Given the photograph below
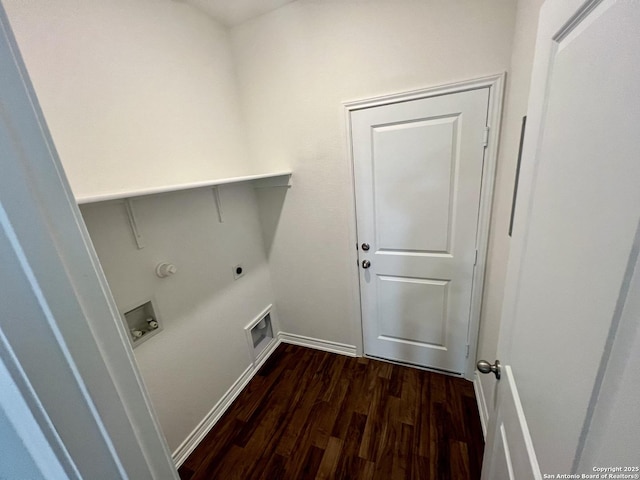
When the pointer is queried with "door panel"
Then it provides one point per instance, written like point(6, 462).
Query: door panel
point(418, 171)
point(421, 303)
point(425, 150)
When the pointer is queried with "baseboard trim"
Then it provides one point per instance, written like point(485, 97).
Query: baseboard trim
point(195, 437)
point(482, 403)
point(325, 345)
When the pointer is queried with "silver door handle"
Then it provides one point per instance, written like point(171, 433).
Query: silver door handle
point(486, 367)
point(366, 263)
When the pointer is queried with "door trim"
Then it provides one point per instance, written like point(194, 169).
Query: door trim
point(495, 84)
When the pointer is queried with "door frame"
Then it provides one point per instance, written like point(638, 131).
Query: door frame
point(495, 84)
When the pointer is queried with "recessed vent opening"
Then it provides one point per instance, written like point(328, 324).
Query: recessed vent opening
point(259, 335)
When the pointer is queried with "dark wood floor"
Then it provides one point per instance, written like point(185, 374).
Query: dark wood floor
point(310, 414)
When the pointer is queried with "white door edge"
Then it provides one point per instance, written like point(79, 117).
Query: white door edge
point(481, 401)
point(531, 452)
point(106, 382)
point(509, 404)
point(495, 84)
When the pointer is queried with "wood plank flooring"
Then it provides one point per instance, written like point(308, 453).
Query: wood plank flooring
point(309, 414)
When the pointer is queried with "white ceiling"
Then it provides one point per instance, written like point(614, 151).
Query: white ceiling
point(234, 12)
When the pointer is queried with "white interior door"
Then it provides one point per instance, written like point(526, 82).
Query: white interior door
point(418, 172)
point(576, 238)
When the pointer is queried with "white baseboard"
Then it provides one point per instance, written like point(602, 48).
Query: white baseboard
point(191, 442)
point(195, 437)
point(482, 404)
point(325, 345)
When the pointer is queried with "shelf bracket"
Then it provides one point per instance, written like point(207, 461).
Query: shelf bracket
point(216, 197)
point(133, 222)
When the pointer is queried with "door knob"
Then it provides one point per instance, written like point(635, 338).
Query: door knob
point(366, 263)
point(486, 367)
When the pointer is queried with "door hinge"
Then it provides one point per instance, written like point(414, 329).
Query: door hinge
point(475, 260)
point(467, 351)
point(485, 139)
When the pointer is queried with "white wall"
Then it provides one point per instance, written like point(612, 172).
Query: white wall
point(202, 350)
point(517, 95)
point(136, 93)
point(295, 67)
point(140, 94)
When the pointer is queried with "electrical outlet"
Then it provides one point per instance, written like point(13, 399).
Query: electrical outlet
point(238, 271)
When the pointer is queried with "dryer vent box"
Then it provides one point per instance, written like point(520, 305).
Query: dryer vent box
point(259, 335)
